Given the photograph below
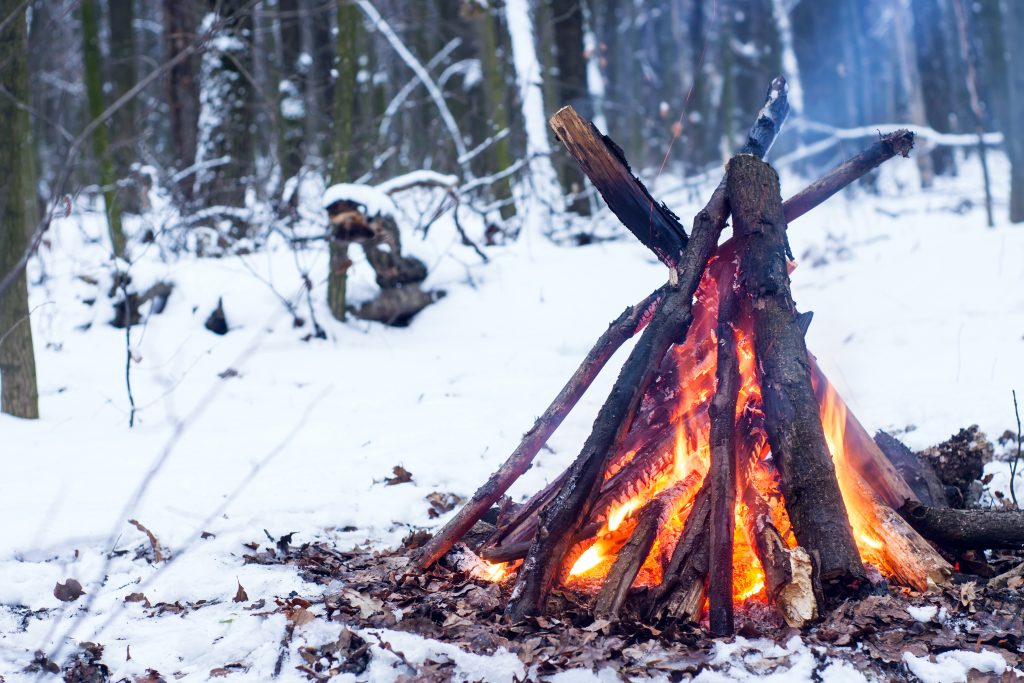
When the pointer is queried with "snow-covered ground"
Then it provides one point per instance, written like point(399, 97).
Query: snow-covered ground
point(919, 322)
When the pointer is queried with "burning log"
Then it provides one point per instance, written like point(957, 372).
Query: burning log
point(562, 517)
point(808, 477)
point(722, 474)
point(788, 572)
point(631, 557)
point(967, 529)
point(682, 590)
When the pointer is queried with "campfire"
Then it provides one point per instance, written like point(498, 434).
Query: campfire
point(724, 469)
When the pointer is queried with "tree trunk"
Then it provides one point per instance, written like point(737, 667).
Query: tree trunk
point(18, 393)
point(101, 136)
point(182, 88)
point(292, 88)
point(120, 19)
point(1014, 30)
point(494, 87)
point(807, 474)
point(346, 63)
point(567, 25)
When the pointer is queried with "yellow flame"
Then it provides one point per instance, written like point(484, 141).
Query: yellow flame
point(493, 572)
point(588, 560)
point(619, 514)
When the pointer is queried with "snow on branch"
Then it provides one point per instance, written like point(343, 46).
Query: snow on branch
point(395, 104)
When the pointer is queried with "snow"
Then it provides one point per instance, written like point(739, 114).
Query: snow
point(374, 201)
point(953, 666)
point(917, 324)
point(924, 613)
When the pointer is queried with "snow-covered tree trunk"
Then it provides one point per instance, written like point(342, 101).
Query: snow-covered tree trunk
point(226, 115)
point(539, 197)
point(182, 88)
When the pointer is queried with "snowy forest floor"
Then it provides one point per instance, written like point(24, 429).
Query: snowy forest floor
point(265, 433)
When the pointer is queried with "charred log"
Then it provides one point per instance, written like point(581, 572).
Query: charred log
point(683, 587)
point(916, 471)
point(967, 529)
point(808, 478)
point(722, 472)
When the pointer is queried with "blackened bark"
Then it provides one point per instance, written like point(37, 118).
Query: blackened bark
point(722, 472)
point(917, 472)
point(683, 586)
point(807, 474)
point(967, 529)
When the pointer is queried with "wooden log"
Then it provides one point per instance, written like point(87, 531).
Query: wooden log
point(621, 329)
point(862, 452)
point(898, 142)
point(722, 472)
point(967, 529)
point(807, 476)
point(605, 165)
point(631, 557)
point(683, 586)
point(788, 572)
point(917, 472)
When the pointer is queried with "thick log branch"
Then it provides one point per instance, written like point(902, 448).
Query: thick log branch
point(722, 472)
point(807, 475)
point(604, 163)
point(967, 529)
point(898, 142)
point(621, 329)
point(917, 472)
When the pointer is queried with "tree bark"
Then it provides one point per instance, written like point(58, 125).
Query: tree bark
point(120, 20)
point(18, 393)
point(101, 136)
point(967, 529)
point(808, 478)
point(683, 586)
point(292, 89)
point(1014, 29)
point(567, 32)
point(182, 88)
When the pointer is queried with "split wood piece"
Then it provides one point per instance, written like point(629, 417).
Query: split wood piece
point(888, 540)
point(605, 165)
point(863, 453)
point(807, 475)
point(619, 331)
point(631, 557)
point(722, 472)
point(967, 529)
point(788, 572)
point(683, 584)
point(917, 472)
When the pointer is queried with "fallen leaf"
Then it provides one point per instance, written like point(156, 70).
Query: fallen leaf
point(158, 555)
point(441, 503)
point(240, 594)
point(69, 591)
point(138, 597)
point(402, 476)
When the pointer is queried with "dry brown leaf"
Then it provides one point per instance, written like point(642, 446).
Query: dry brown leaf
point(69, 591)
point(402, 476)
point(158, 555)
point(240, 594)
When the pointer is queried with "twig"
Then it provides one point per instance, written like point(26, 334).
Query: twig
point(1016, 459)
point(123, 278)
